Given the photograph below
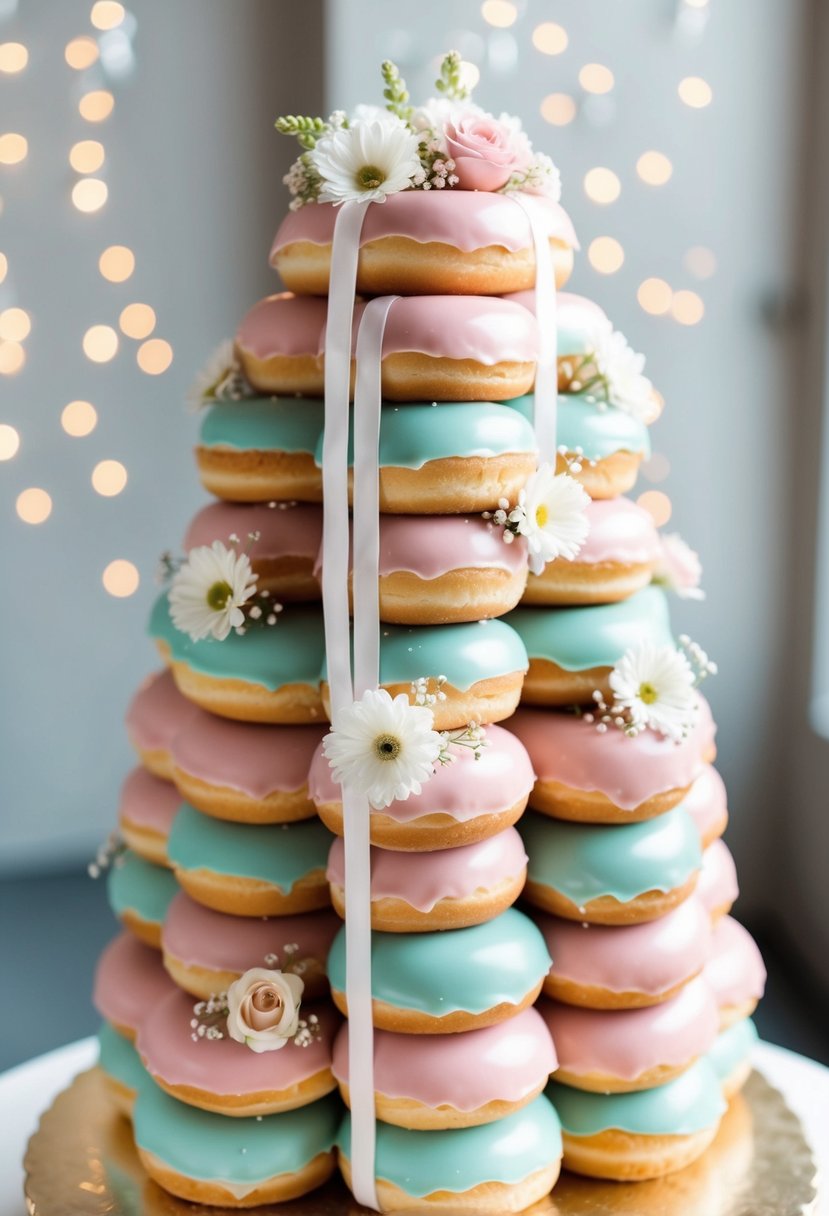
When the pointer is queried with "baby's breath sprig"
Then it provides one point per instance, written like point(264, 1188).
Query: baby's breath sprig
point(471, 736)
point(395, 92)
point(450, 81)
point(428, 690)
point(109, 853)
point(702, 666)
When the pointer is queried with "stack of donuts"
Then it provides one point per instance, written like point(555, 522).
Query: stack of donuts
point(621, 974)
point(652, 984)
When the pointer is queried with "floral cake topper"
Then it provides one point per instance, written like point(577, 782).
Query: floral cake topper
point(446, 143)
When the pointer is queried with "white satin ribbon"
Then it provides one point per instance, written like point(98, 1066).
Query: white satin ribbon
point(335, 549)
point(546, 376)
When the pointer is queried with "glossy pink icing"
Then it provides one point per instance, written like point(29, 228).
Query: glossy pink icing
point(465, 219)
point(223, 1066)
point(575, 315)
point(735, 969)
point(651, 958)
point(717, 884)
point(464, 789)
point(432, 545)
point(130, 980)
point(421, 879)
point(620, 531)
point(286, 529)
point(625, 1043)
point(565, 748)
point(200, 937)
point(485, 329)
point(156, 712)
point(706, 802)
point(465, 1071)
point(148, 801)
point(246, 756)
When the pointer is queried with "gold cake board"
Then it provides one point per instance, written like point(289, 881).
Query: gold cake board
point(82, 1162)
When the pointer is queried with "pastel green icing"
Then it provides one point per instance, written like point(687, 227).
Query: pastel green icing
point(414, 433)
point(279, 853)
point(594, 636)
point(690, 1103)
point(598, 430)
point(463, 653)
point(508, 1150)
point(136, 885)
point(438, 973)
point(264, 424)
point(241, 1151)
point(289, 652)
point(732, 1047)
point(587, 861)
point(119, 1059)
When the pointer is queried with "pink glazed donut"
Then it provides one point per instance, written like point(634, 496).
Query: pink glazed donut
point(621, 1050)
point(435, 348)
point(448, 241)
point(245, 771)
point(146, 812)
point(465, 801)
point(628, 966)
point(283, 556)
point(590, 777)
point(436, 1081)
point(616, 560)
point(226, 1077)
point(155, 715)
point(707, 804)
point(205, 951)
point(735, 971)
point(444, 889)
point(441, 569)
point(717, 887)
point(130, 980)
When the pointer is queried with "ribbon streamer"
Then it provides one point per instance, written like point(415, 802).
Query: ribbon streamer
point(546, 376)
point(335, 550)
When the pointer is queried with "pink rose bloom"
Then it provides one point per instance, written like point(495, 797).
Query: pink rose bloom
point(486, 151)
point(679, 567)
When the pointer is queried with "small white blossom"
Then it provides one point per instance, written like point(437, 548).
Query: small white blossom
point(382, 747)
point(654, 687)
point(620, 369)
point(220, 379)
point(367, 161)
point(679, 568)
point(208, 591)
point(552, 515)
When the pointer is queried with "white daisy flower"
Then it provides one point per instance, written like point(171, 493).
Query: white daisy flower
point(366, 162)
point(620, 367)
point(552, 515)
point(654, 685)
point(383, 748)
point(679, 568)
point(208, 591)
point(220, 379)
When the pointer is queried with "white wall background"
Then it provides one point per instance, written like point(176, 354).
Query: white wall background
point(727, 424)
point(193, 168)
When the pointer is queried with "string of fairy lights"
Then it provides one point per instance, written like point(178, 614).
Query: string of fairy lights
point(602, 184)
point(99, 57)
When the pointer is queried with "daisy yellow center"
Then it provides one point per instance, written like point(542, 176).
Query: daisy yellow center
point(218, 596)
point(648, 693)
point(370, 177)
point(542, 514)
point(387, 747)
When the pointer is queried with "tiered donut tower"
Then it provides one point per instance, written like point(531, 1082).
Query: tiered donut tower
point(230, 867)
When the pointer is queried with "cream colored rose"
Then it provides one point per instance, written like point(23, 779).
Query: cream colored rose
point(263, 1008)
